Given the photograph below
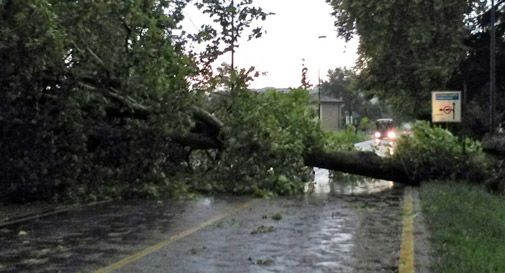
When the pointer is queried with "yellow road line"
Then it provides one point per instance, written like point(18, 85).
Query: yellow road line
point(55, 211)
point(406, 264)
point(136, 256)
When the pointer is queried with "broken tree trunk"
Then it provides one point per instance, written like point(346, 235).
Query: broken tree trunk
point(360, 163)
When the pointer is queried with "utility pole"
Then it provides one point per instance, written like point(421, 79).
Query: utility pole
point(319, 92)
point(492, 70)
point(233, 36)
point(319, 82)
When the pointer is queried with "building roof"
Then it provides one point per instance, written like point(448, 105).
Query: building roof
point(325, 99)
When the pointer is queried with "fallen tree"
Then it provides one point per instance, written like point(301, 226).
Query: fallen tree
point(435, 154)
point(207, 134)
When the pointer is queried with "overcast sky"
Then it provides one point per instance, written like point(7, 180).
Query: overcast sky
point(292, 35)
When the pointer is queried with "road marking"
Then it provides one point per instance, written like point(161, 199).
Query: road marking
point(49, 212)
point(136, 256)
point(406, 264)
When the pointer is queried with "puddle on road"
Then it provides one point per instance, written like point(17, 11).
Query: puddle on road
point(345, 184)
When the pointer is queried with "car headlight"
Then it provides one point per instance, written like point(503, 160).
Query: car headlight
point(377, 134)
point(391, 135)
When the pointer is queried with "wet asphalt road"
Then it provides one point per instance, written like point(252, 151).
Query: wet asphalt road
point(339, 228)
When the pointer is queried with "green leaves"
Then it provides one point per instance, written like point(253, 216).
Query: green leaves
point(407, 48)
point(74, 77)
point(433, 151)
point(266, 136)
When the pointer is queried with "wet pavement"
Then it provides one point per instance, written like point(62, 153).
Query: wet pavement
point(85, 239)
point(320, 233)
point(343, 226)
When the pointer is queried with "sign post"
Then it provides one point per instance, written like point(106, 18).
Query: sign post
point(445, 106)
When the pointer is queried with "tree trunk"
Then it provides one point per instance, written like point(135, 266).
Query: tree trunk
point(359, 163)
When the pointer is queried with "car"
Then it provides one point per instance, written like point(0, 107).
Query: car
point(385, 129)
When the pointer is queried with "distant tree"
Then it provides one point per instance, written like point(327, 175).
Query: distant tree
point(342, 83)
point(338, 83)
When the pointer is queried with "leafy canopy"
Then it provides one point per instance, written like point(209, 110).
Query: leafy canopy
point(407, 48)
point(75, 79)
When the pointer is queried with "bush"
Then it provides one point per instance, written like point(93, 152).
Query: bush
point(342, 140)
point(432, 152)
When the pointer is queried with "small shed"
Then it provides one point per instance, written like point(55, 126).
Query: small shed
point(331, 113)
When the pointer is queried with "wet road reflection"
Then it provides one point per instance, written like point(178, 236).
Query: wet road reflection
point(345, 184)
point(346, 225)
point(328, 231)
point(80, 240)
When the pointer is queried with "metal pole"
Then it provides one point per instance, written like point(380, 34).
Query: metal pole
point(319, 92)
point(233, 36)
point(319, 80)
point(492, 70)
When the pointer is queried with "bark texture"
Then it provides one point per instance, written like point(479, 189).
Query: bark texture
point(359, 163)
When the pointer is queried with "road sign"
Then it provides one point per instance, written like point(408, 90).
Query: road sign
point(446, 106)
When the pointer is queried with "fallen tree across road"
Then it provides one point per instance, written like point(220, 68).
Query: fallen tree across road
point(415, 165)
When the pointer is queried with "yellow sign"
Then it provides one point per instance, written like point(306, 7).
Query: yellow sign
point(446, 106)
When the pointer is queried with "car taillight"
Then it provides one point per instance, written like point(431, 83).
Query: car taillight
point(377, 134)
point(391, 134)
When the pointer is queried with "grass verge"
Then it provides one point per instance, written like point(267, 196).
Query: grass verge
point(467, 226)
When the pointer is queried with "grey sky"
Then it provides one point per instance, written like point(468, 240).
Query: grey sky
point(292, 35)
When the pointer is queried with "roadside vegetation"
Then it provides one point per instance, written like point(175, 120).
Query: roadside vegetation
point(465, 219)
point(467, 226)
point(344, 139)
point(430, 152)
